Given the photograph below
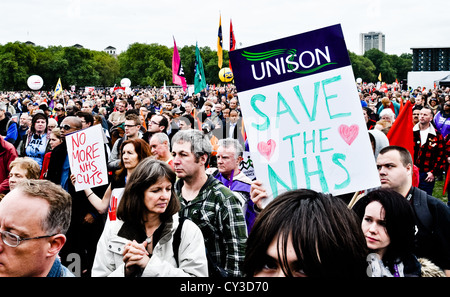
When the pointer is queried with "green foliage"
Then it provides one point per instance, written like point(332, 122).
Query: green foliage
point(147, 65)
point(16, 61)
point(374, 62)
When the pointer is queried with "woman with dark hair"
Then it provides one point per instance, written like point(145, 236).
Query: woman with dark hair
point(35, 143)
point(141, 241)
point(306, 233)
point(388, 224)
point(132, 151)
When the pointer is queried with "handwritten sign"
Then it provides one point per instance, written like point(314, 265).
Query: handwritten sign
point(303, 115)
point(87, 157)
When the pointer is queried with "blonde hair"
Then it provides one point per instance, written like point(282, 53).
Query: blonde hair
point(31, 166)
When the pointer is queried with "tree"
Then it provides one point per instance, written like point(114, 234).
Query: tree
point(108, 69)
point(81, 67)
point(17, 60)
point(362, 67)
point(374, 62)
point(146, 64)
point(51, 65)
point(382, 64)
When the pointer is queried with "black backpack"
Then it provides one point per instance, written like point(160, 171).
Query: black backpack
point(213, 269)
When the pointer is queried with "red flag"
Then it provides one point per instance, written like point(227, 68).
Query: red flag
point(401, 132)
point(447, 173)
point(446, 183)
point(232, 41)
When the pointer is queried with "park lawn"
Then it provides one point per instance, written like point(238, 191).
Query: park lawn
point(437, 191)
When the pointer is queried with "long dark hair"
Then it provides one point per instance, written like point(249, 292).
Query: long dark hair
point(325, 234)
point(147, 173)
point(399, 220)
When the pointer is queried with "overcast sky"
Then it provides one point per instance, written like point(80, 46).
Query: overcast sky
point(97, 24)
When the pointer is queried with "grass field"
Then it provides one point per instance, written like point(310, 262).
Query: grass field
point(437, 191)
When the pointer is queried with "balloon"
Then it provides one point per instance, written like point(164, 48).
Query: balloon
point(225, 74)
point(35, 82)
point(125, 82)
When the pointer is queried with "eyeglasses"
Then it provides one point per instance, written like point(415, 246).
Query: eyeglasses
point(129, 126)
point(153, 122)
point(66, 127)
point(14, 240)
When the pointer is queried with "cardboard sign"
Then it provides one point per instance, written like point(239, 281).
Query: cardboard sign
point(303, 116)
point(87, 158)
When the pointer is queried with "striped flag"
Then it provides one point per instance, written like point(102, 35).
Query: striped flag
point(219, 43)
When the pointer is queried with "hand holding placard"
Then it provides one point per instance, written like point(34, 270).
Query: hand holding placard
point(87, 157)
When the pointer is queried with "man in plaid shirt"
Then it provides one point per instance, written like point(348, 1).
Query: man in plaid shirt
point(208, 203)
point(429, 150)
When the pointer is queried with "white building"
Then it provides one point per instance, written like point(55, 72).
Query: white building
point(372, 40)
point(110, 50)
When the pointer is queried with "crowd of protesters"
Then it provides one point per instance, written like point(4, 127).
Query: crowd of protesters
point(177, 203)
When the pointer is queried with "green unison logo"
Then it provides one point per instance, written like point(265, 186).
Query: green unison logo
point(288, 61)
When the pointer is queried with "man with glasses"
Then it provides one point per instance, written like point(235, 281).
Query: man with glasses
point(132, 131)
point(34, 218)
point(157, 124)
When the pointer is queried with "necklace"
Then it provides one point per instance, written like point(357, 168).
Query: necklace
point(150, 237)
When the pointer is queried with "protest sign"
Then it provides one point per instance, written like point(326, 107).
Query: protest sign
point(246, 165)
point(87, 159)
point(303, 116)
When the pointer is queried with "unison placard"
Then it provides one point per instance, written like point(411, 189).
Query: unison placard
point(302, 114)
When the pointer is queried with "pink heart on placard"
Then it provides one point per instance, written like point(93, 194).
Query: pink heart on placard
point(349, 134)
point(267, 149)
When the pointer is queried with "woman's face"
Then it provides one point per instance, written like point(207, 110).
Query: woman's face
point(130, 158)
point(54, 141)
point(272, 265)
point(366, 116)
point(40, 126)
point(157, 196)
point(374, 228)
